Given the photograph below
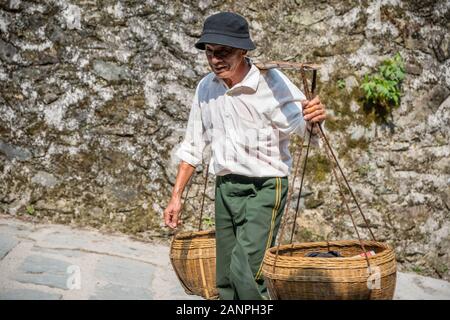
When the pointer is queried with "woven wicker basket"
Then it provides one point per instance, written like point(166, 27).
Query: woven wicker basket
point(193, 257)
point(307, 278)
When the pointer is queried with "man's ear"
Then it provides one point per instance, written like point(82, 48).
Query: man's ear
point(244, 52)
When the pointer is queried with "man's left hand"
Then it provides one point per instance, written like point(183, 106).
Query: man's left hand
point(314, 110)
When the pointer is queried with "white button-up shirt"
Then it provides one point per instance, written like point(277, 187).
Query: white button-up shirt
point(247, 126)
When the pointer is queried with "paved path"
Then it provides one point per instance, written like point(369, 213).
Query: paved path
point(41, 261)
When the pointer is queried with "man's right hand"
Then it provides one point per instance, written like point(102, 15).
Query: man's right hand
point(172, 213)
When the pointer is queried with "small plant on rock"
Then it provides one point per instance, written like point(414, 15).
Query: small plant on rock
point(208, 222)
point(30, 210)
point(341, 84)
point(382, 89)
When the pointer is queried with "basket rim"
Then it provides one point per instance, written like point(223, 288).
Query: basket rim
point(271, 252)
point(192, 234)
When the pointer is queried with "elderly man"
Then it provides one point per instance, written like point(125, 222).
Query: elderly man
point(247, 116)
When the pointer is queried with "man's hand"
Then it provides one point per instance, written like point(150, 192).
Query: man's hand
point(172, 213)
point(314, 110)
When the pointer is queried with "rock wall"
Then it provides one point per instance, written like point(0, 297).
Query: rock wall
point(94, 98)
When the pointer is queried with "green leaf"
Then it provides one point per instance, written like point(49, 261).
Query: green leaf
point(383, 87)
point(30, 210)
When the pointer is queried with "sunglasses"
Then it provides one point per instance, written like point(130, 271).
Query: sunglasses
point(222, 53)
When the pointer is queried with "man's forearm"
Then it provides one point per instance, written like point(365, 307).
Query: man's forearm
point(185, 171)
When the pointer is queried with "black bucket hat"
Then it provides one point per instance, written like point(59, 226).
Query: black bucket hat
point(228, 29)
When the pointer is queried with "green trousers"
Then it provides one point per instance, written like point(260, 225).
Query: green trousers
point(247, 213)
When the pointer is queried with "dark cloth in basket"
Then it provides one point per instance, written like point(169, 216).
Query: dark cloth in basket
point(329, 254)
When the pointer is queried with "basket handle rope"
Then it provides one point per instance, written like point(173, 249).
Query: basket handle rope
point(203, 198)
point(329, 151)
point(331, 156)
point(188, 187)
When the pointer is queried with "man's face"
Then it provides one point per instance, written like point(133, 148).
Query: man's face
point(224, 60)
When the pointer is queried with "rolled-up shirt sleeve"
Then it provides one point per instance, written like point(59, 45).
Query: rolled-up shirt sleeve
point(191, 149)
point(288, 119)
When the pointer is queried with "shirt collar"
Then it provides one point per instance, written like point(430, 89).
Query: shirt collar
point(251, 79)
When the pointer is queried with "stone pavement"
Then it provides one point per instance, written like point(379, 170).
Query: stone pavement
point(41, 261)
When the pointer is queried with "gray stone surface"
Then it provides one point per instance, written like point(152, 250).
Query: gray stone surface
point(123, 272)
point(94, 242)
point(13, 152)
point(45, 179)
point(111, 267)
point(7, 242)
point(121, 292)
point(58, 239)
point(27, 294)
point(42, 270)
point(110, 71)
point(413, 287)
point(61, 252)
point(7, 51)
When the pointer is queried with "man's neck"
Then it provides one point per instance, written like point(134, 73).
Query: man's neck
point(241, 72)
